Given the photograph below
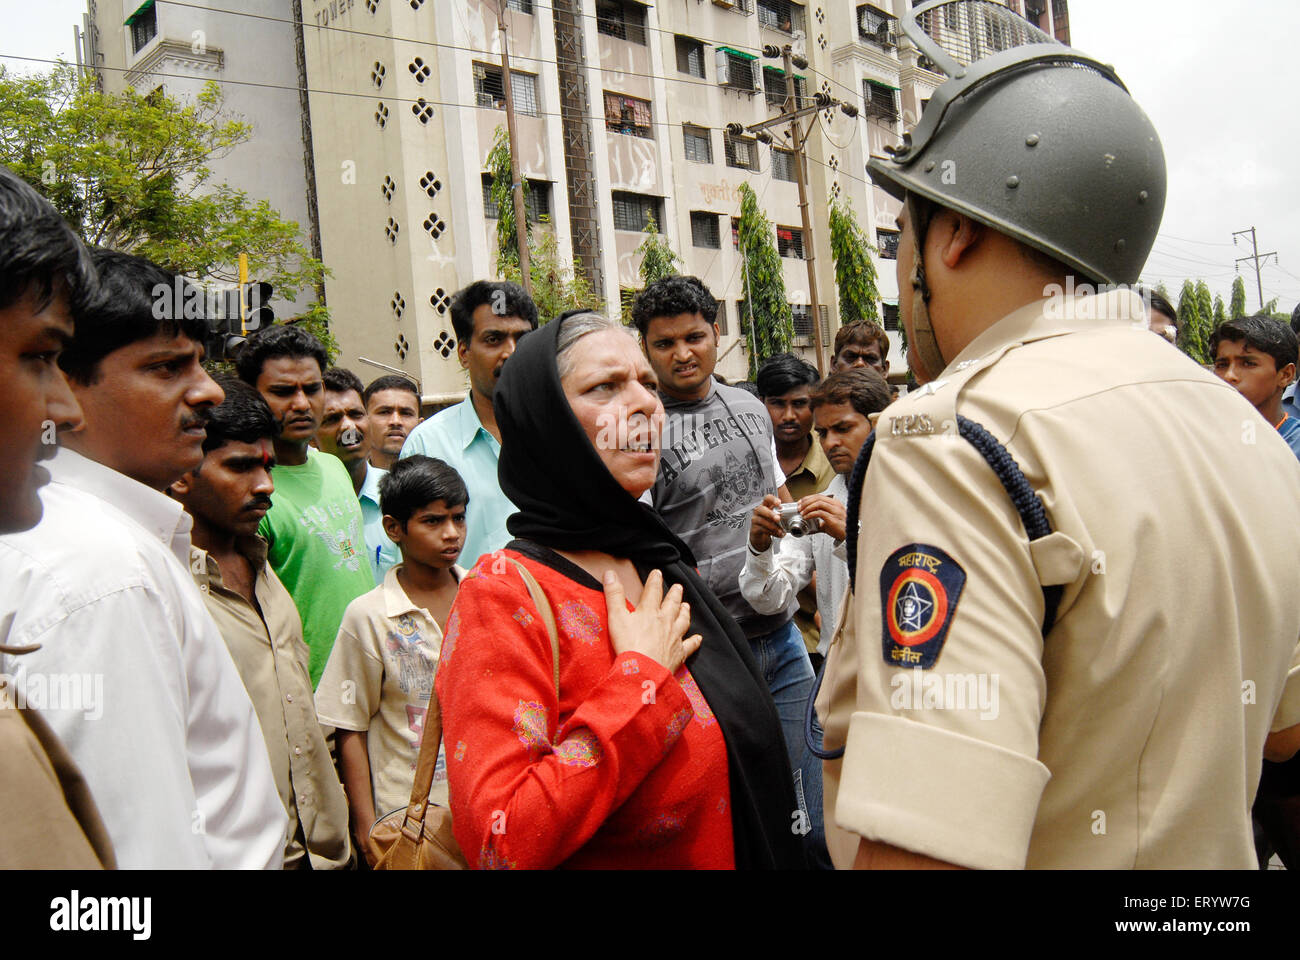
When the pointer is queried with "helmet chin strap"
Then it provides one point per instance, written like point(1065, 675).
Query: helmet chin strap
point(922, 332)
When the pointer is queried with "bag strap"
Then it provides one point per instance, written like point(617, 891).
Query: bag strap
point(413, 823)
point(544, 608)
point(426, 765)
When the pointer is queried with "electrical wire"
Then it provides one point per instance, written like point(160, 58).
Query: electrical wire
point(1156, 252)
point(1208, 243)
point(522, 57)
point(463, 49)
point(710, 42)
point(379, 97)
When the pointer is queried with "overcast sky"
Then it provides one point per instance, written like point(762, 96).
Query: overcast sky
point(1218, 80)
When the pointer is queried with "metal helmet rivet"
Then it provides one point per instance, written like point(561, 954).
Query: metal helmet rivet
point(1031, 140)
point(1120, 245)
point(1013, 182)
point(1143, 196)
point(929, 166)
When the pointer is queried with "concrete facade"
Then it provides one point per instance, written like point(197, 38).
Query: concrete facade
point(404, 104)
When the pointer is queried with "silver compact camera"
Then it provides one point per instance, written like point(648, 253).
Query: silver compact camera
point(795, 523)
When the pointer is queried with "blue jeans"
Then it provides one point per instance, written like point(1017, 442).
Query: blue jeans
point(783, 660)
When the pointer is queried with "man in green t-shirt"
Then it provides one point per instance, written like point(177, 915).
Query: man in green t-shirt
point(314, 526)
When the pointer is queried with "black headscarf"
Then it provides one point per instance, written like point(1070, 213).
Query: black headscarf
point(568, 500)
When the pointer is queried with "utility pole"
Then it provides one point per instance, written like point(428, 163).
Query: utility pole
point(792, 112)
point(516, 181)
point(808, 246)
point(1255, 256)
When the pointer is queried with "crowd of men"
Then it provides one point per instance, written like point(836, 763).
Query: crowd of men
point(222, 600)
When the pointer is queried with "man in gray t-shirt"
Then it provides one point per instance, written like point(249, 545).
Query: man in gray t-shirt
point(715, 468)
point(717, 464)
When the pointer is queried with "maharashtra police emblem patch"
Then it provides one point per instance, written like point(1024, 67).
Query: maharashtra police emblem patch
point(919, 589)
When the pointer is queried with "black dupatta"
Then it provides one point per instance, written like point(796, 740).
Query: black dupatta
point(568, 500)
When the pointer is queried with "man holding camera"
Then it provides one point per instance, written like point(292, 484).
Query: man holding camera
point(810, 533)
point(718, 462)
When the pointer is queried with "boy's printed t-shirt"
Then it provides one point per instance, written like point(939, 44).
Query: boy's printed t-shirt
point(316, 547)
point(379, 679)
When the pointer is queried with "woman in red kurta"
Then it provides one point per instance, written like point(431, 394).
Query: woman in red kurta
point(641, 760)
point(633, 775)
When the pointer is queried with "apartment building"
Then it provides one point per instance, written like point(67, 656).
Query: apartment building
point(245, 45)
point(622, 111)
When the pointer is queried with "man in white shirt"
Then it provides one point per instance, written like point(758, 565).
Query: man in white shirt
point(774, 572)
point(139, 684)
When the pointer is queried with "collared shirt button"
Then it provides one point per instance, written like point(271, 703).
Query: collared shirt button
point(297, 751)
point(289, 697)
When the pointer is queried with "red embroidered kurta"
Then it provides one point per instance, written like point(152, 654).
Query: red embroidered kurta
point(628, 770)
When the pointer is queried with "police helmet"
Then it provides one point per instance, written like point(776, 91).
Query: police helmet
point(1032, 138)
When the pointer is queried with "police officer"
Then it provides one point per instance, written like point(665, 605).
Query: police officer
point(1084, 676)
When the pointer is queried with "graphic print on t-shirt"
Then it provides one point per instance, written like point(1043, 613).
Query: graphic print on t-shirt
point(735, 484)
point(408, 655)
point(342, 543)
point(716, 459)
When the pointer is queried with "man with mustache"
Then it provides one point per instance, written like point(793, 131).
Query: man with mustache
point(350, 434)
point(173, 752)
point(48, 819)
point(314, 527)
point(227, 494)
point(489, 318)
point(392, 405)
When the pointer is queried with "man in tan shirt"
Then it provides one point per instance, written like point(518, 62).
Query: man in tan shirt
point(48, 819)
point(227, 495)
point(1100, 695)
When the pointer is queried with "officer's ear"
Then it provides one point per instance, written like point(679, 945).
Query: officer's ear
point(958, 235)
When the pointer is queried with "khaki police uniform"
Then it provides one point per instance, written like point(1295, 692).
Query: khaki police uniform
point(1132, 735)
point(48, 818)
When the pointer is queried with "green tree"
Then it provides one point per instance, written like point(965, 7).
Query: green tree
point(765, 318)
point(1192, 326)
point(132, 173)
point(855, 274)
point(1220, 314)
point(557, 285)
point(658, 259)
point(1238, 308)
point(498, 164)
point(1205, 308)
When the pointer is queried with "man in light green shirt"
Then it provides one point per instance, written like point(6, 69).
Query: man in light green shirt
point(347, 433)
point(314, 527)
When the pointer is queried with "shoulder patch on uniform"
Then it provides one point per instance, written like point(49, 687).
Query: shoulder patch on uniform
point(919, 589)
